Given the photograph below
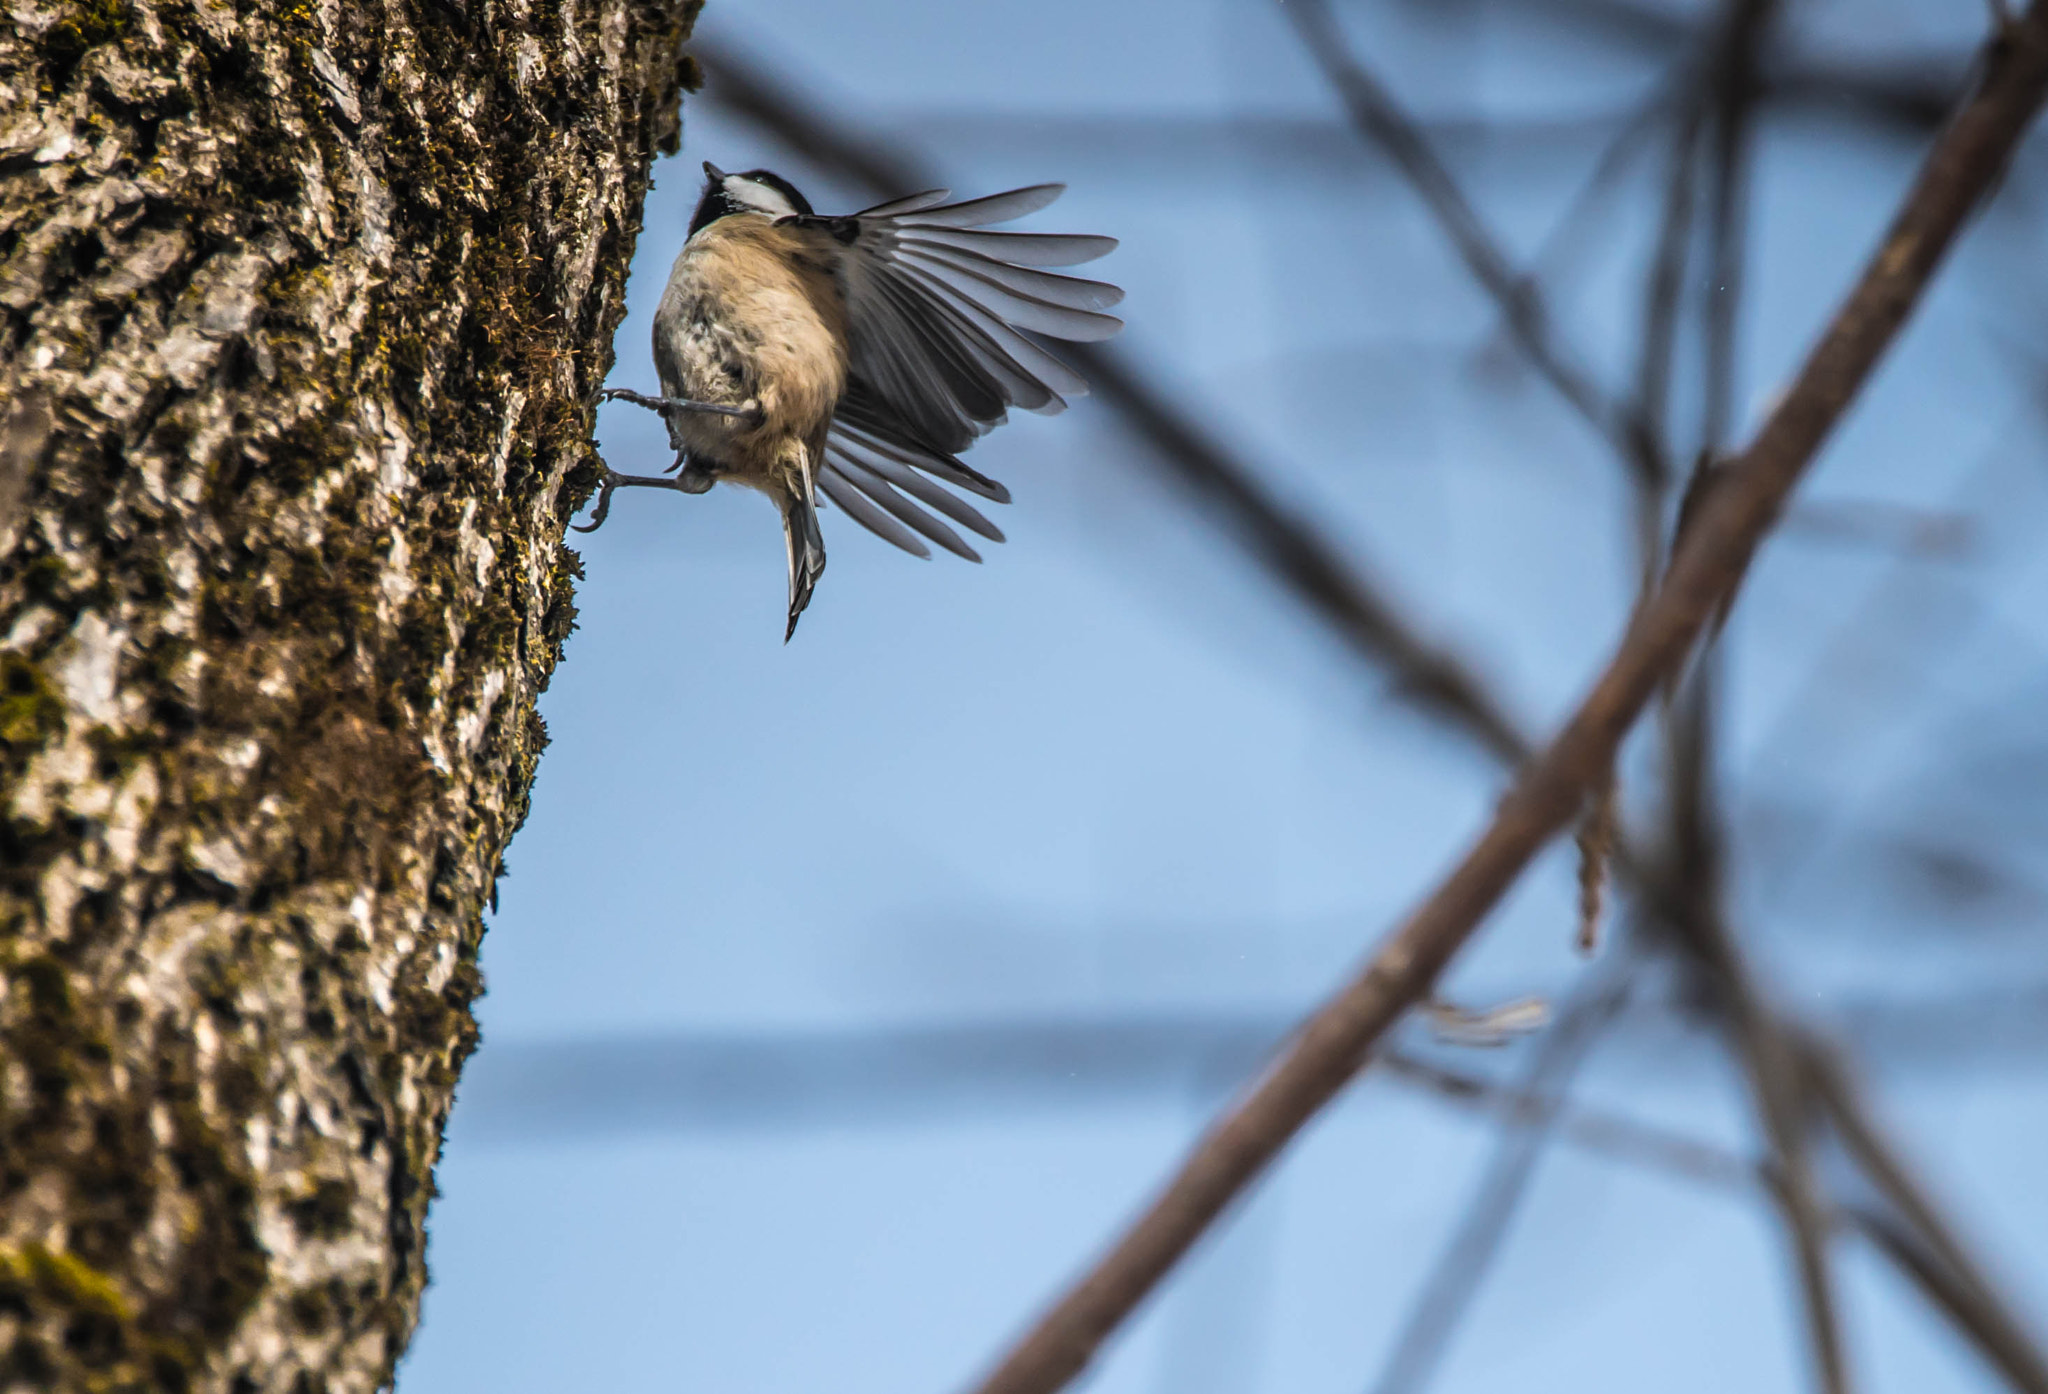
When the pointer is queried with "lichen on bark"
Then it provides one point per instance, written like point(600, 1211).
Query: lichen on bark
point(302, 307)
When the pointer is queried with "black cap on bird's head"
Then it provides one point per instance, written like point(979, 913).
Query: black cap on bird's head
point(758, 191)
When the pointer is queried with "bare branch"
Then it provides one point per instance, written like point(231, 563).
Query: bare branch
point(1776, 1080)
point(1448, 1291)
point(1380, 118)
point(1948, 1272)
point(1953, 1283)
point(1435, 683)
point(1709, 562)
point(1738, 86)
point(1606, 1134)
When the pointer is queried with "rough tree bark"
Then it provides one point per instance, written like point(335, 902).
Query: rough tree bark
point(302, 303)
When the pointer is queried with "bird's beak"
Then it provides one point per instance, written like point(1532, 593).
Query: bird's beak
point(713, 172)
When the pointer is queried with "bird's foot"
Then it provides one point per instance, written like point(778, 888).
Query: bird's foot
point(692, 481)
point(749, 411)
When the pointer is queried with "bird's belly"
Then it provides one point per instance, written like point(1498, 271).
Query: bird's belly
point(746, 335)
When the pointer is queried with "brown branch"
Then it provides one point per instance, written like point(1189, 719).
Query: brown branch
point(1710, 560)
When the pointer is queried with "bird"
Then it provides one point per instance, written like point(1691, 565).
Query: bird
point(849, 359)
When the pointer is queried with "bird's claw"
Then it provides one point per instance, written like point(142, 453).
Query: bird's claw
point(748, 411)
point(605, 486)
point(691, 482)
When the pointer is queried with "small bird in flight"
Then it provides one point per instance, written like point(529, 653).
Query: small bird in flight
point(854, 357)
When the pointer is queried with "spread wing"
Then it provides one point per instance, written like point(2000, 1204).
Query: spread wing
point(941, 317)
point(890, 482)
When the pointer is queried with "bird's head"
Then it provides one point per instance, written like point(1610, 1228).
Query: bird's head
point(757, 191)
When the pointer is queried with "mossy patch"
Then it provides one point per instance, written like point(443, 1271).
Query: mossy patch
point(50, 1275)
point(31, 709)
point(85, 25)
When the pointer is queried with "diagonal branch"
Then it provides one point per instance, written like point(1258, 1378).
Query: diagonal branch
point(1710, 560)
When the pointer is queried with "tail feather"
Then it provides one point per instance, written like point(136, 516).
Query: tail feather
point(806, 553)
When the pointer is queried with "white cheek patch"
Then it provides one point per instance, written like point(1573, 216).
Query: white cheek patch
point(761, 198)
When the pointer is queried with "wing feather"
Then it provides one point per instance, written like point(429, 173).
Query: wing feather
point(881, 462)
point(1017, 248)
point(1074, 292)
point(1020, 310)
point(995, 208)
point(898, 207)
point(941, 324)
point(856, 506)
point(994, 373)
point(878, 490)
point(861, 415)
point(1029, 356)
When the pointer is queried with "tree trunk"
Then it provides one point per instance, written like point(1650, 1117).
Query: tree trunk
point(304, 303)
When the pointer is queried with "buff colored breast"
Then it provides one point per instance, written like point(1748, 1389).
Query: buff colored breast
point(752, 314)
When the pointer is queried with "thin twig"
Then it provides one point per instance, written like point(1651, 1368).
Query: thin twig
point(1965, 162)
point(1606, 1134)
point(1738, 85)
point(1777, 1082)
point(1959, 1285)
point(1969, 1303)
point(1663, 290)
point(1540, 1098)
point(1380, 118)
point(1783, 1102)
point(1571, 232)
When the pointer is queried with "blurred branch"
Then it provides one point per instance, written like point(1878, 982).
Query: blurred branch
point(1663, 292)
point(1783, 1103)
point(1570, 232)
point(1737, 87)
point(521, 1091)
point(1709, 562)
point(1380, 118)
point(1913, 96)
point(1958, 1290)
point(1949, 1272)
point(1538, 1102)
point(1609, 1135)
point(1917, 534)
point(1776, 1081)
